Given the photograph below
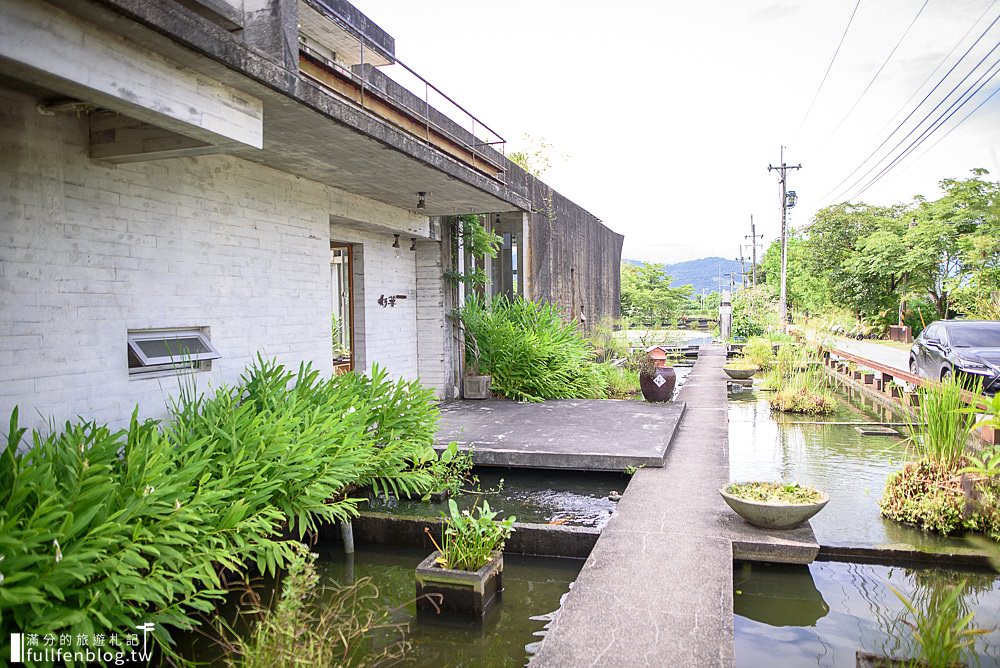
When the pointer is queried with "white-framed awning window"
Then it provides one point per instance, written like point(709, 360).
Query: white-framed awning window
point(157, 348)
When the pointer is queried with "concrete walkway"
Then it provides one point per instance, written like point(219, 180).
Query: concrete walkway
point(657, 589)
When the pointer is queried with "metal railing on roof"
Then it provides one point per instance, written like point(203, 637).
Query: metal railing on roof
point(470, 133)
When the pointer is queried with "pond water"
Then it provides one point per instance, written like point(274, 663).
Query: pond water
point(850, 467)
point(823, 613)
point(533, 591)
point(537, 496)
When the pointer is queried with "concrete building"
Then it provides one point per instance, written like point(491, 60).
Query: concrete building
point(228, 176)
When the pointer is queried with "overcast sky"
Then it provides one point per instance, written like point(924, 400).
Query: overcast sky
point(669, 112)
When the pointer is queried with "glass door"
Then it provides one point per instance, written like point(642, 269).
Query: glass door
point(342, 320)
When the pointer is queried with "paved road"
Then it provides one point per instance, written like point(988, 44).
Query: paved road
point(898, 359)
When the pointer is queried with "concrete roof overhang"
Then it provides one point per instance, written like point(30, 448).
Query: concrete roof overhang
point(308, 131)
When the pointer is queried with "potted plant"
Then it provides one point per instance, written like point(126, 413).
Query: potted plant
point(774, 505)
point(475, 384)
point(740, 368)
point(656, 379)
point(465, 574)
point(895, 389)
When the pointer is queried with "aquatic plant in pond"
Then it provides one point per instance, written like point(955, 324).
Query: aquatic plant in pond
point(316, 625)
point(471, 538)
point(451, 469)
point(936, 493)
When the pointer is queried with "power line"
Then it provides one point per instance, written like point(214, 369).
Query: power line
point(936, 125)
point(938, 67)
point(881, 67)
point(926, 116)
point(910, 115)
point(958, 125)
point(828, 68)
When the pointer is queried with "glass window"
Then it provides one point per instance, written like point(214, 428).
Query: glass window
point(156, 350)
point(976, 336)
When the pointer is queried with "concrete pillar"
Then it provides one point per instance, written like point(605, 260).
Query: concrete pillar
point(725, 316)
point(272, 28)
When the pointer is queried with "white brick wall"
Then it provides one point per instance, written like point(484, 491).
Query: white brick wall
point(389, 333)
point(89, 250)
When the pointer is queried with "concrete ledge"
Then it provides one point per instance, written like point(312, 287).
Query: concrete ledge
point(537, 540)
point(894, 555)
point(797, 546)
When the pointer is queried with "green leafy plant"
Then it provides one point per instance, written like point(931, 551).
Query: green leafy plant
point(470, 539)
point(479, 244)
point(620, 382)
point(100, 530)
point(775, 492)
point(986, 465)
point(759, 351)
point(451, 470)
point(530, 349)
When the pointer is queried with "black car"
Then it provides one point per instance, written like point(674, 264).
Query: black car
point(969, 347)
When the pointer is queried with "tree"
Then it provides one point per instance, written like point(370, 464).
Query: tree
point(647, 295)
point(807, 288)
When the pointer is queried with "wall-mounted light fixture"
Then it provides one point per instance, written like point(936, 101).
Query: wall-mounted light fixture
point(422, 200)
point(413, 244)
point(395, 244)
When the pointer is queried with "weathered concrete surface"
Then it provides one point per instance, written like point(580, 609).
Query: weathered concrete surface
point(657, 589)
point(539, 540)
point(606, 435)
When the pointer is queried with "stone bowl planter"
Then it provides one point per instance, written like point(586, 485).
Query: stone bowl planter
point(465, 593)
point(773, 515)
point(740, 374)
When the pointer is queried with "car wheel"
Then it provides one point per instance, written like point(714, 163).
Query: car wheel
point(946, 374)
point(913, 366)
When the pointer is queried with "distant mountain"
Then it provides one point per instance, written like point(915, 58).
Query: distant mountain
point(701, 274)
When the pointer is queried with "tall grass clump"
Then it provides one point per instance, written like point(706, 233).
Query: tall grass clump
point(947, 488)
point(312, 625)
point(799, 383)
point(530, 349)
point(101, 530)
point(943, 426)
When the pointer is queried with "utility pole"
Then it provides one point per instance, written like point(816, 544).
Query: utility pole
point(743, 269)
point(753, 236)
point(783, 294)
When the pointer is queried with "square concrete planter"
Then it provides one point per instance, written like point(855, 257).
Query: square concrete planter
point(868, 378)
point(856, 375)
point(896, 391)
point(465, 593)
point(477, 387)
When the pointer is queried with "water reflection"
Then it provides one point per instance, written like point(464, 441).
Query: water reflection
point(532, 495)
point(533, 589)
point(863, 613)
point(777, 595)
point(835, 458)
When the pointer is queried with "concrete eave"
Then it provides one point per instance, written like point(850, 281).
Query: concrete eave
point(308, 131)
